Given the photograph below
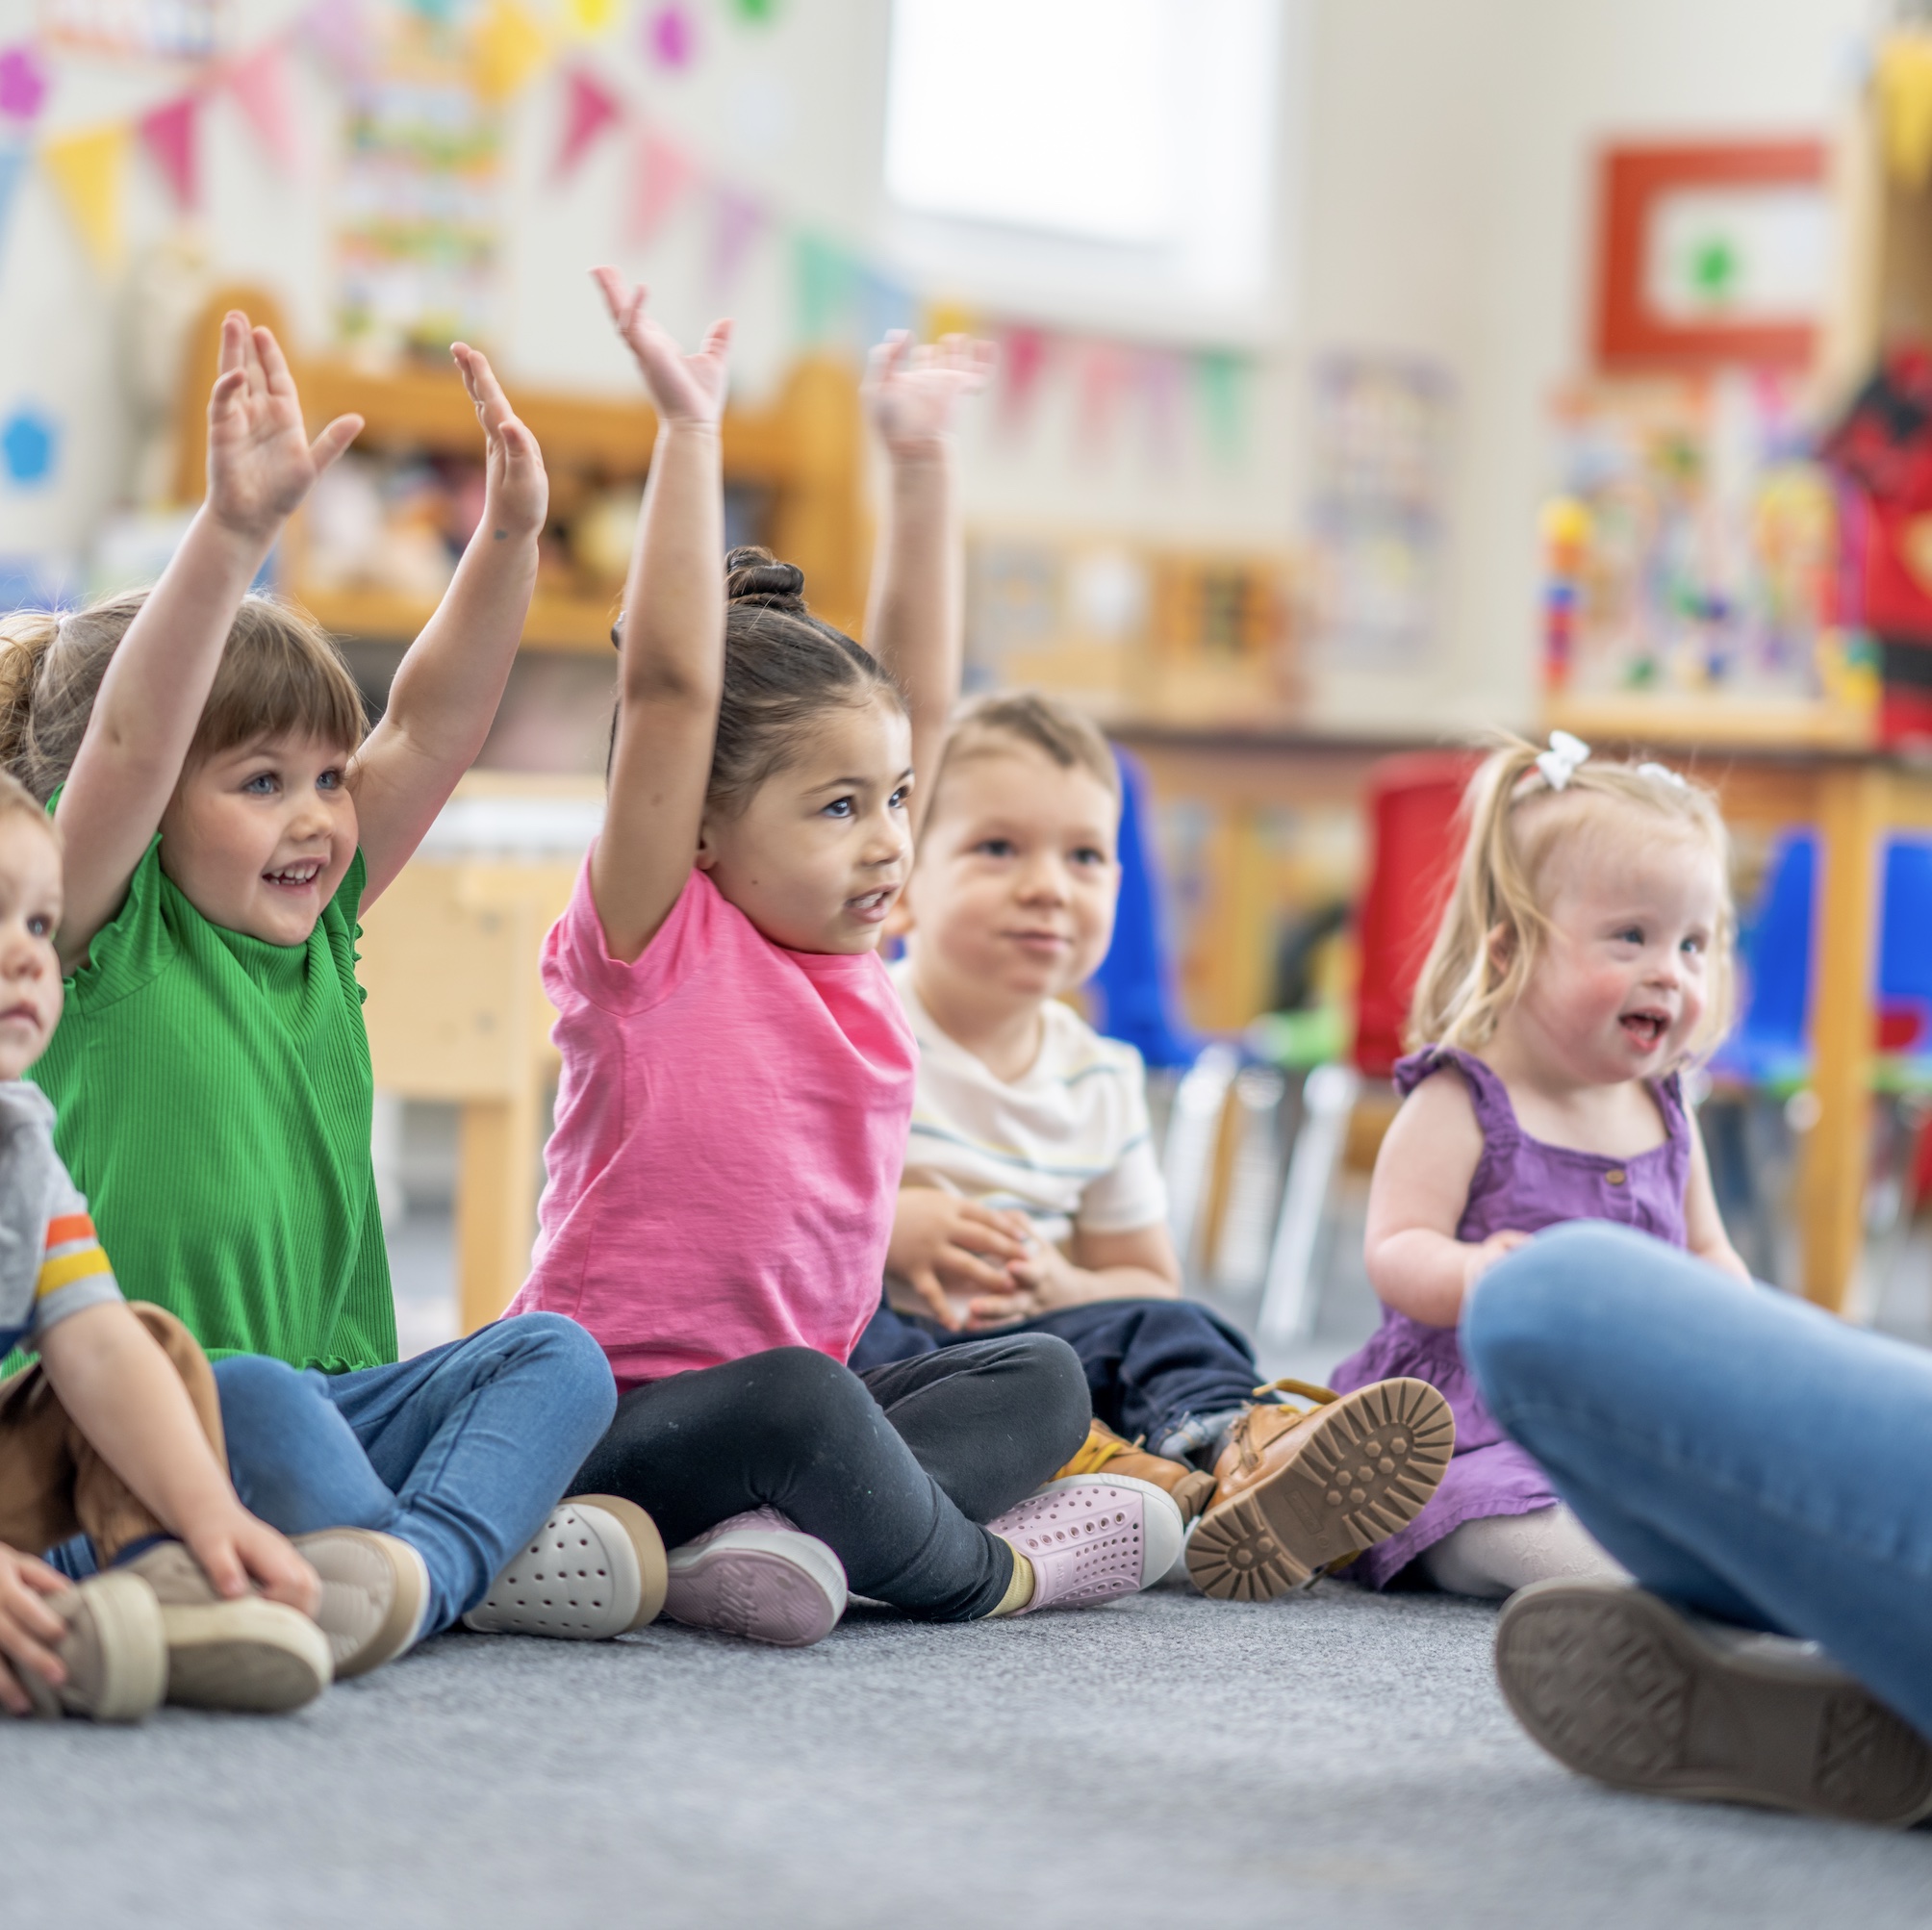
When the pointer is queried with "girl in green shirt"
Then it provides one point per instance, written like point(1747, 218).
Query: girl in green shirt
point(225, 819)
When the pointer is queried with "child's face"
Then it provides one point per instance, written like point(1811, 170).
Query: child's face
point(1622, 979)
point(1017, 878)
point(818, 856)
point(30, 914)
point(258, 837)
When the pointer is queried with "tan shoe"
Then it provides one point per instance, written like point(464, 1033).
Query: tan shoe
point(375, 1591)
point(1301, 1489)
point(248, 1654)
point(1105, 1452)
point(114, 1651)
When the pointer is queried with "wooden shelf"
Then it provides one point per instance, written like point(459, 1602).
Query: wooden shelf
point(1692, 722)
point(576, 623)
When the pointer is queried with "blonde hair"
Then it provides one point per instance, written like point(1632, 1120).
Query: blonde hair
point(17, 801)
point(279, 672)
point(1495, 921)
point(1029, 717)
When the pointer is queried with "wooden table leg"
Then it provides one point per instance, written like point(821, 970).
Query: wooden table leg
point(1851, 821)
point(495, 1204)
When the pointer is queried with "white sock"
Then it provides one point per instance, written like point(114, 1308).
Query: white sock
point(1496, 1557)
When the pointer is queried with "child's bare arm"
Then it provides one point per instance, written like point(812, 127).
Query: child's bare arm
point(672, 657)
point(122, 1392)
point(448, 686)
point(1416, 1203)
point(1703, 1224)
point(913, 622)
point(261, 464)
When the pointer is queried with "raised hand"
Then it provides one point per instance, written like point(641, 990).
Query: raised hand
point(261, 463)
point(913, 392)
point(518, 489)
point(687, 389)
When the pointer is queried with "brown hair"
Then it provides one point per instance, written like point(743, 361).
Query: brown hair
point(1494, 923)
point(785, 669)
point(279, 672)
point(1029, 717)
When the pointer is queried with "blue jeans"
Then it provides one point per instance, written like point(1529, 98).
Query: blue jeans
point(1738, 1451)
point(1150, 1364)
point(460, 1452)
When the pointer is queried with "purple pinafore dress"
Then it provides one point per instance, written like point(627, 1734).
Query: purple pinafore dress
point(1524, 1185)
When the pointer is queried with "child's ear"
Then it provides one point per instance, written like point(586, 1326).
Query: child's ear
point(1501, 946)
point(707, 849)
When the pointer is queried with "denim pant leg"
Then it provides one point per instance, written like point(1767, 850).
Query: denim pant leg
point(1732, 1447)
point(477, 1441)
point(1151, 1363)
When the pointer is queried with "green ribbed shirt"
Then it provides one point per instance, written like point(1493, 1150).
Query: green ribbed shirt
point(214, 1098)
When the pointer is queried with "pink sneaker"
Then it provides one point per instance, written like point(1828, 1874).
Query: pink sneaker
point(755, 1575)
point(1093, 1537)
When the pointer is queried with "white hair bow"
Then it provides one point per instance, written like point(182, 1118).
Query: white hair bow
point(1663, 773)
point(1562, 760)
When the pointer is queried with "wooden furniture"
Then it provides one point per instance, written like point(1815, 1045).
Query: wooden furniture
point(805, 453)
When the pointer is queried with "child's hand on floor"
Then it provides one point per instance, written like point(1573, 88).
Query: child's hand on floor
point(235, 1549)
point(28, 1627)
point(911, 393)
point(687, 389)
point(261, 463)
point(517, 490)
point(943, 1245)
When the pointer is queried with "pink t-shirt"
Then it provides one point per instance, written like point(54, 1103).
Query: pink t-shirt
point(731, 1121)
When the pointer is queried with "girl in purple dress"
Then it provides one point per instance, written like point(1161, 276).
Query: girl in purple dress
point(1583, 962)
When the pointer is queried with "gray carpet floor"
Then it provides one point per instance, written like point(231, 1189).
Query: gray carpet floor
point(1329, 1758)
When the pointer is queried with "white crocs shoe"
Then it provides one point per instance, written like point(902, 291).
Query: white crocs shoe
point(1093, 1537)
point(758, 1576)
point(594, 1570)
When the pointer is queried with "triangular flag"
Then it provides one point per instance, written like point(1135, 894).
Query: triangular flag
point(1105, 370)
point(13, 165)
point(510, 46)
point(735, 221)
point(1222, 373)
point(336, 31)
point(169, 134)
point(1023, 360)
point(660, 174)
point(87, 169)
point(23, 83)
point(589, 107)
point(591, 20)
point(260, 85)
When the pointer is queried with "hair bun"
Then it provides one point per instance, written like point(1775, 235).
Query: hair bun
point(754, 576)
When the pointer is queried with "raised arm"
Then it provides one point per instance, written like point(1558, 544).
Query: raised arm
point(913, 621)
point(261, 464)
point(447, 687)
point(671, 649)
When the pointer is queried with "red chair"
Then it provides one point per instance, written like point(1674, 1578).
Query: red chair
point(1417, 830)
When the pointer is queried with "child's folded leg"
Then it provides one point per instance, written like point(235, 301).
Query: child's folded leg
point(1496, 1556)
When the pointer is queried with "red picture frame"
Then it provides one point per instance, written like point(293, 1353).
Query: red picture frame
point(1631, 182)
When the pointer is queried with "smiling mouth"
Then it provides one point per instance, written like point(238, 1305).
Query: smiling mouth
point(1646, 1029)
point(295, 877)
point(871, 906)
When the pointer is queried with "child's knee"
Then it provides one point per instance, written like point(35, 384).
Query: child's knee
point(1519, 1326)
point(259, 1395)
point(569, 1355)
point(1055, 1387)
point(804, 1397)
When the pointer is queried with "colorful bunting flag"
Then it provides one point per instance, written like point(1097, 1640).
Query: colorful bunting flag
point(170, 133)
point(735, 220)
point(340, 34)
point(589, 108)
point(13, 165)
point(87, 170)
point(660, 174)
point(509, 48)
point(1104, 371)
point(23, 83)
point(1222, 373)
point(823, 279)
point(669, 38)
point(1024, 351)
point(591, 20)
point(260, 85)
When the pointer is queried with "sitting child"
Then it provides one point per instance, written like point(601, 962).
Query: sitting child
point(225, 822)
point(1032, 1201)
point(1584, 960)
point(112, 1432)
point(737, 1078)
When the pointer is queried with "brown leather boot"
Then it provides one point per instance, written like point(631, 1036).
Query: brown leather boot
point(1105, 1449)
point(1301, 1489)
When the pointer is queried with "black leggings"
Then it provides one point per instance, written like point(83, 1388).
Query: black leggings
point(894, 1470)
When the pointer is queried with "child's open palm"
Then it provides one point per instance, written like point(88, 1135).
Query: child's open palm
point(519, 491)
point(261, 463)
point(912, 393)
point(683, 388)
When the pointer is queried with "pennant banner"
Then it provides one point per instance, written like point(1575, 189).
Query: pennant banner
point(87, 170)
point(736, 220)
point(170, 133)
point(23, 83)
point(510, 46)
point(660, 174)
point(590, 19)
point(337, 33)
point(13, 165)
point(589, 108)
point(260, 85)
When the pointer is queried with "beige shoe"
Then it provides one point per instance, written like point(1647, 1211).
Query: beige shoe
point(375, 1591)
point(114, 1649)
point(1301, 1489)
point(248, 1654)
point(1105, 1452)
point(595, 1570)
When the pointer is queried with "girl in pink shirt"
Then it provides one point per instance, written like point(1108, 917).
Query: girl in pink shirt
point(738, 1077)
